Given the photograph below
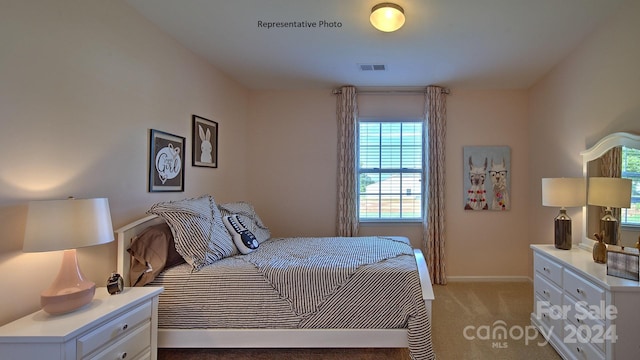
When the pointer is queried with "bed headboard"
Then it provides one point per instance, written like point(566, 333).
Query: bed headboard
point(124, 236)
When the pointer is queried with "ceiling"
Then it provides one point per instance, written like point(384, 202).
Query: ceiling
point(456, 43)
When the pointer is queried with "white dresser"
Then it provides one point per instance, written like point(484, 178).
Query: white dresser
point(588, 314)
point(122, 326)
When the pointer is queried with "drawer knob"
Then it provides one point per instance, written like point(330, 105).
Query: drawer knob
point(578, 349)
point(125, 327)
point(122, 356)
point(579, 291)
point(545, 269)
point(546, 292)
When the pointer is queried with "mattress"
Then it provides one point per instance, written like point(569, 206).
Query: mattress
point(314, 283)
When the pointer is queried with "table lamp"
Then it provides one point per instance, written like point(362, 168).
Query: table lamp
point(67, 225)
point(610, 193)
point(563, 193)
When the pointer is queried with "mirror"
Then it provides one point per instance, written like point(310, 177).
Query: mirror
point(591, 167)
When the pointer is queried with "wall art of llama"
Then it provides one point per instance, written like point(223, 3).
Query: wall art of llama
point(487, 178)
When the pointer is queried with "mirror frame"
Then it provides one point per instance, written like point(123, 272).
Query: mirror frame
point(600, 148)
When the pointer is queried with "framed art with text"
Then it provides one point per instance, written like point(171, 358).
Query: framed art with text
point(166, 165)
point(204, 134)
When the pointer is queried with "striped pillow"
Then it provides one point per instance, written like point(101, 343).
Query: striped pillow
point(198, 231)
point(249, 217)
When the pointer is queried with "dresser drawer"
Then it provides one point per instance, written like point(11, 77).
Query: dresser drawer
point(585, 351)
point(548, 268)
point(144, 356)
point(581, 289)
point(549, 317)
point(586, 325)
point(546, 290)
point(129, 346)
point(123, 324)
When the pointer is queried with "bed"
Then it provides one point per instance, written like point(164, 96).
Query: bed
point(289, 318)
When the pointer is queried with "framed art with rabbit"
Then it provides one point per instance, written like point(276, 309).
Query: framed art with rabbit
point(205, 142)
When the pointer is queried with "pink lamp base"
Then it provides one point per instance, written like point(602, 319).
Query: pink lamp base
point(69, 291)
point(61, 304)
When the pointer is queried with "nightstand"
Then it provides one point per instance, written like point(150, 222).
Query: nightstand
point(123, 326)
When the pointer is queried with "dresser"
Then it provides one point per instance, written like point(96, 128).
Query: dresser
point(586, 313)
point(122, 326)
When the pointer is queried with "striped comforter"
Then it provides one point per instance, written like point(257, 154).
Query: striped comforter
point(319, 283)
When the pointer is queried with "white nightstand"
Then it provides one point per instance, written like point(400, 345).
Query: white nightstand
point(123, 326)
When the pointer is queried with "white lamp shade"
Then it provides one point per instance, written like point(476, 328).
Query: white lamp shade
point(563, 192)
point(67, 224)
point(387, 17)
point(610, 192)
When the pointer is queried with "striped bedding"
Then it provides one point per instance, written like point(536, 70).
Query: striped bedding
point(315, 283)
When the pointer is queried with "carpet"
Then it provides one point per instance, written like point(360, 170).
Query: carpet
point(465, 316)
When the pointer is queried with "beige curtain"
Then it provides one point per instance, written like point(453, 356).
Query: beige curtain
point(347, 110)
point(433, 228)
point(611, 166)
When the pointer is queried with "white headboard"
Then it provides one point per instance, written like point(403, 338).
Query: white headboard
point(124, 236)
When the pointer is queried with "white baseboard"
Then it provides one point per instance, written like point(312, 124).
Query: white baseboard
point(489, 279)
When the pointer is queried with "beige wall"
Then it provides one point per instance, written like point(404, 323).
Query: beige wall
point(81, 84)
point(487, 243)
point(594, 92)
point(293, 170)
point(292, 144)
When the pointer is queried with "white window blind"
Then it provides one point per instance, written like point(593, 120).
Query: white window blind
point(631, 170)
point(390, 184)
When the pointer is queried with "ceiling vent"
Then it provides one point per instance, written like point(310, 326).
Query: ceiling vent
point(372, 67)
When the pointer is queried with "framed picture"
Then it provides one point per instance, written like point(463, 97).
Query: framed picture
point(166, 165)
point(205, 142)
point(487, 178)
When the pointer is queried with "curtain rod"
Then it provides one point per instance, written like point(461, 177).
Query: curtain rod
point(391, 92)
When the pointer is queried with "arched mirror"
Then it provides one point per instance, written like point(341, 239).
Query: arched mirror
point(595, 164)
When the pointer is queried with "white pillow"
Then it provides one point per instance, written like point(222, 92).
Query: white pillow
point(199, 233)
point(249, 217)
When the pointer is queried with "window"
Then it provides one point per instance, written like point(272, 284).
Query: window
point(390, 176)
point(631, 170)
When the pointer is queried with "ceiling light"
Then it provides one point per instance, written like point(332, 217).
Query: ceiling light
point(387, 17)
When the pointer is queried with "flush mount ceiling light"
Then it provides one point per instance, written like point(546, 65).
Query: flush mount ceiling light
point(387, 17)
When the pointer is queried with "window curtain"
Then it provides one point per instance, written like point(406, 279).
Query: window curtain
point(611, 166)
point(433, 163)
point(346, 112)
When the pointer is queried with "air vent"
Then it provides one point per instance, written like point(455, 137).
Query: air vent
point(372, 67)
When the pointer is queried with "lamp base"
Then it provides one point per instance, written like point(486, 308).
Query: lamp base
point(562, 231)
point(609, 227)
point(69, 291)
point(64, 303)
